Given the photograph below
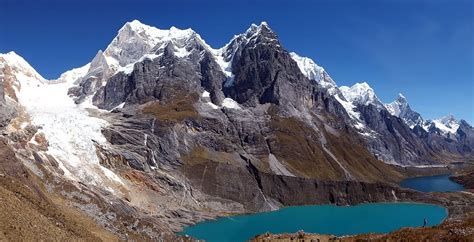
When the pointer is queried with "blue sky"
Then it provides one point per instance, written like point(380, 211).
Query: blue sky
point(421, 48)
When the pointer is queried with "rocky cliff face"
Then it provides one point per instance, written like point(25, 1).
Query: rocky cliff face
point(400, 108)
point(6, 110)
point(393, 140)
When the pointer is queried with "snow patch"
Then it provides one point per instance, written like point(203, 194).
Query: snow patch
point(312, 71)
point(128, 69)
point(230, 103)
point(447, 124)
point(206, 94)
point(226, 103)
point(349, 107)
point(70, 131)
point(361, 93)
point(181, 52)
point(73, 75)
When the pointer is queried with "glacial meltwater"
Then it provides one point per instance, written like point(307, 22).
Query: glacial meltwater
point(439, 183)
point(321, 219)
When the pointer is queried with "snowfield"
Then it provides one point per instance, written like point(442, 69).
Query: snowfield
point(68, 128)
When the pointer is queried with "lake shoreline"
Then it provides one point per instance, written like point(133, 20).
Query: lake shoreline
point(432, 183)
point(457, 204)
point(371, 217)
point(458, 226)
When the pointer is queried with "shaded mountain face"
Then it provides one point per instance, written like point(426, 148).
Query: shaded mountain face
point(160, 118)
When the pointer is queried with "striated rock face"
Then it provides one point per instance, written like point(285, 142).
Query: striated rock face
point(264, 72)
point(6, 111)
point(162, 78)
point(99, 71)
point(465, 134)
point(400, 108)
point(263, 191)
point(395, 142)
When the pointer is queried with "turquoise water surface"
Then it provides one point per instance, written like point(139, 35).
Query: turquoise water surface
point(323, 219)
point(439, 183)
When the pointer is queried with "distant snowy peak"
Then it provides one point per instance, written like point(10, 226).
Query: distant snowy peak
point(312, 71)
point(400, 108)
point(251, 35)
point(361, 94)
point(262, 30)
point(447, 124)
point(12, 62)
point(396, 107)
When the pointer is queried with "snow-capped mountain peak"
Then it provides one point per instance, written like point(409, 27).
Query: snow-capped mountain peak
point(133, 41)
point(401, 98)
point(252, 34)
point(255, 29)
point(447, 124)
point(400, 108)
point(313, 71)
point(225, 55)
point(18, 65)
point(99, 66)
point(136, 39)
point(397, 106)
point(361, 94)
point(16, 75)
point(74, 75)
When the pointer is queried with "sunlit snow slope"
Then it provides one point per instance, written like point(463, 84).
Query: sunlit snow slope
point(68, 128)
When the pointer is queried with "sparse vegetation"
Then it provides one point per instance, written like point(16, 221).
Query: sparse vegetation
point(177, 110)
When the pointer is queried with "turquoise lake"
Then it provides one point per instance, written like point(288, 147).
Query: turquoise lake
point(439, 183)
point(322, 219)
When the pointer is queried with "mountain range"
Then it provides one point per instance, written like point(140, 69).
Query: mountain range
point(170, 129)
